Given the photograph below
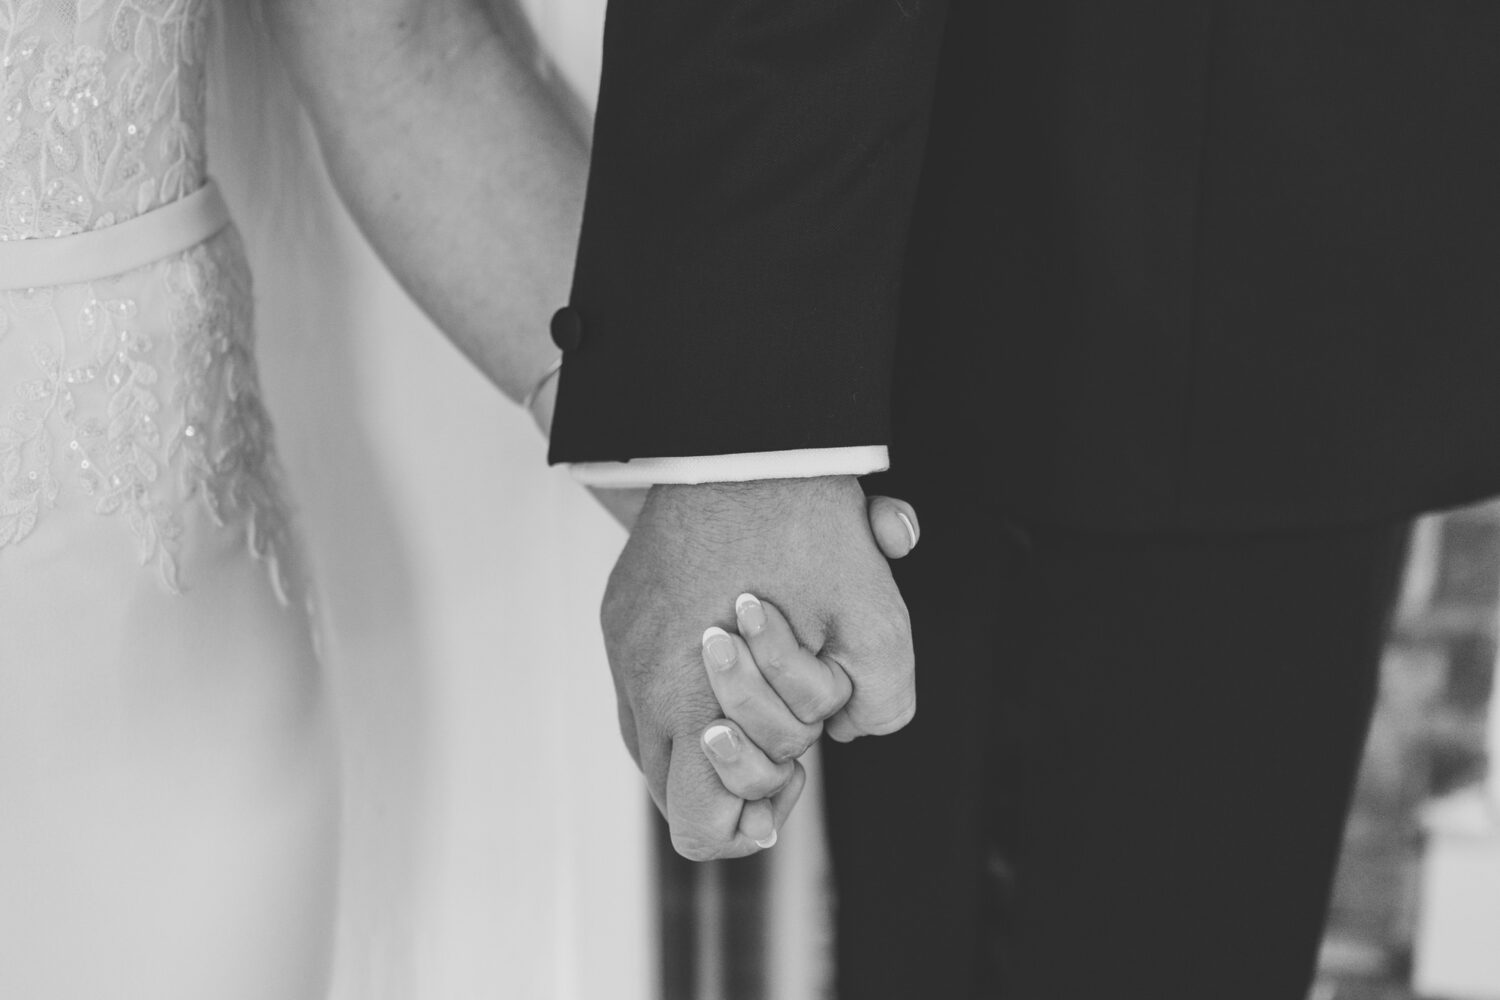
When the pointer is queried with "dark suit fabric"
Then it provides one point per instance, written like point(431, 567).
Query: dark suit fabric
point(1202, 299)
point(1130, 764)
point(1199, 265)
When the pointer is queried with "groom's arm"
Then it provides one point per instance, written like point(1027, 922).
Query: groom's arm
point(734, 317)
point(754, 166)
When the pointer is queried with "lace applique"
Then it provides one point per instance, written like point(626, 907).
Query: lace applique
point(144, 427)
point(117, 454)
point(225, 436)
point(101, 111)
point(101, 120)
point(27, 482)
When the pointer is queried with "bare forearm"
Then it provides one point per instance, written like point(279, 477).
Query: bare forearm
point(463, 170)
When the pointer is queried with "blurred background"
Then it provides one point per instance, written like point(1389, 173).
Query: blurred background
point(500, 843)
point(1416, 911)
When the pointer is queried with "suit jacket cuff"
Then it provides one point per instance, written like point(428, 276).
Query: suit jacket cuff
point(802, 463)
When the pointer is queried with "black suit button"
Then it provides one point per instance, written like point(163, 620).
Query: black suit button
point(567, 328)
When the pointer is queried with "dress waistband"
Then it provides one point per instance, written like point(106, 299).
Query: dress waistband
point(101, 253)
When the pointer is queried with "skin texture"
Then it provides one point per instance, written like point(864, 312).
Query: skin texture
point(776, 694)
point(464, 169)
point(806, 546)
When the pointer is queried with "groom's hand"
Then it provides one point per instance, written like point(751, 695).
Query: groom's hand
point(804, 544)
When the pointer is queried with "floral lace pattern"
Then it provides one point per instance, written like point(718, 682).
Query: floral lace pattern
point(101, 111)
point(136, 395)
point(143, 418)
point(225, 436)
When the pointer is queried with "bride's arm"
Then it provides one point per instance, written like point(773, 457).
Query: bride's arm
point(463, 169)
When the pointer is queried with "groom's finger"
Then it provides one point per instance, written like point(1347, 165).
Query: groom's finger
point(811, 688)
point(886, 711)
point(875, 651)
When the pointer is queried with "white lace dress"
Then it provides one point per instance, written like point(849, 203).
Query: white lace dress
point(168, 810)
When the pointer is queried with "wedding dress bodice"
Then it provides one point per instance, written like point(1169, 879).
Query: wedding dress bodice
point(101, 111)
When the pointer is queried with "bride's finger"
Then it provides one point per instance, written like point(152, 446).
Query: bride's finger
point(894, 524)
point(761, 821)
point(811, 688)
point(758, 823)
point(741, 766)
point(745, 697)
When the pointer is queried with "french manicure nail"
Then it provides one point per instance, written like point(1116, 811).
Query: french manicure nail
point(768, 842)
point(721, 742)
point(720, 648)
point(752, 615)
point(911, 531)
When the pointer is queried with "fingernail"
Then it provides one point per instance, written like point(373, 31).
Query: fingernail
point(768, 842)
point(752, 616)
point(911, 531)
point(720, 648)
point(721, 741)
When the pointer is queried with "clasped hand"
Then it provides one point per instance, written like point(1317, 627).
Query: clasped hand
point(818, 638)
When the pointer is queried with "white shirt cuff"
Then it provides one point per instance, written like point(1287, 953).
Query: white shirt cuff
point(802, 463)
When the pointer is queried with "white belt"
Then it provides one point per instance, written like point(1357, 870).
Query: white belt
point(102, 253)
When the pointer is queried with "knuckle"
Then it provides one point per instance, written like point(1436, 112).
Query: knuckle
point(844, 736)
point(675, 706)
point(771, 661)
point(620, 614)
point(739, 703)
point(612, 610)
point(894, 722)
point(628, 737)
point(893, 631)
point(790, 745)
point(821, 705)
point(883, 648)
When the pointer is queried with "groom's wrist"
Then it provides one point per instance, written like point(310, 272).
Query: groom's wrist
point(804, 463)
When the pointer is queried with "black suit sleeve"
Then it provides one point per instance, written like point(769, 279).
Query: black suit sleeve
point(754, 167)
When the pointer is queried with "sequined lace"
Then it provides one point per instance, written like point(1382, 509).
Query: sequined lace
point(101, 111)
point(142, 424)
point(139, 392)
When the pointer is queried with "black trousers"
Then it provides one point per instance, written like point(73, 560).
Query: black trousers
point(1130, 766)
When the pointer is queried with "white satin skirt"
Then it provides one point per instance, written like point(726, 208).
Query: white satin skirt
point(168, 783)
